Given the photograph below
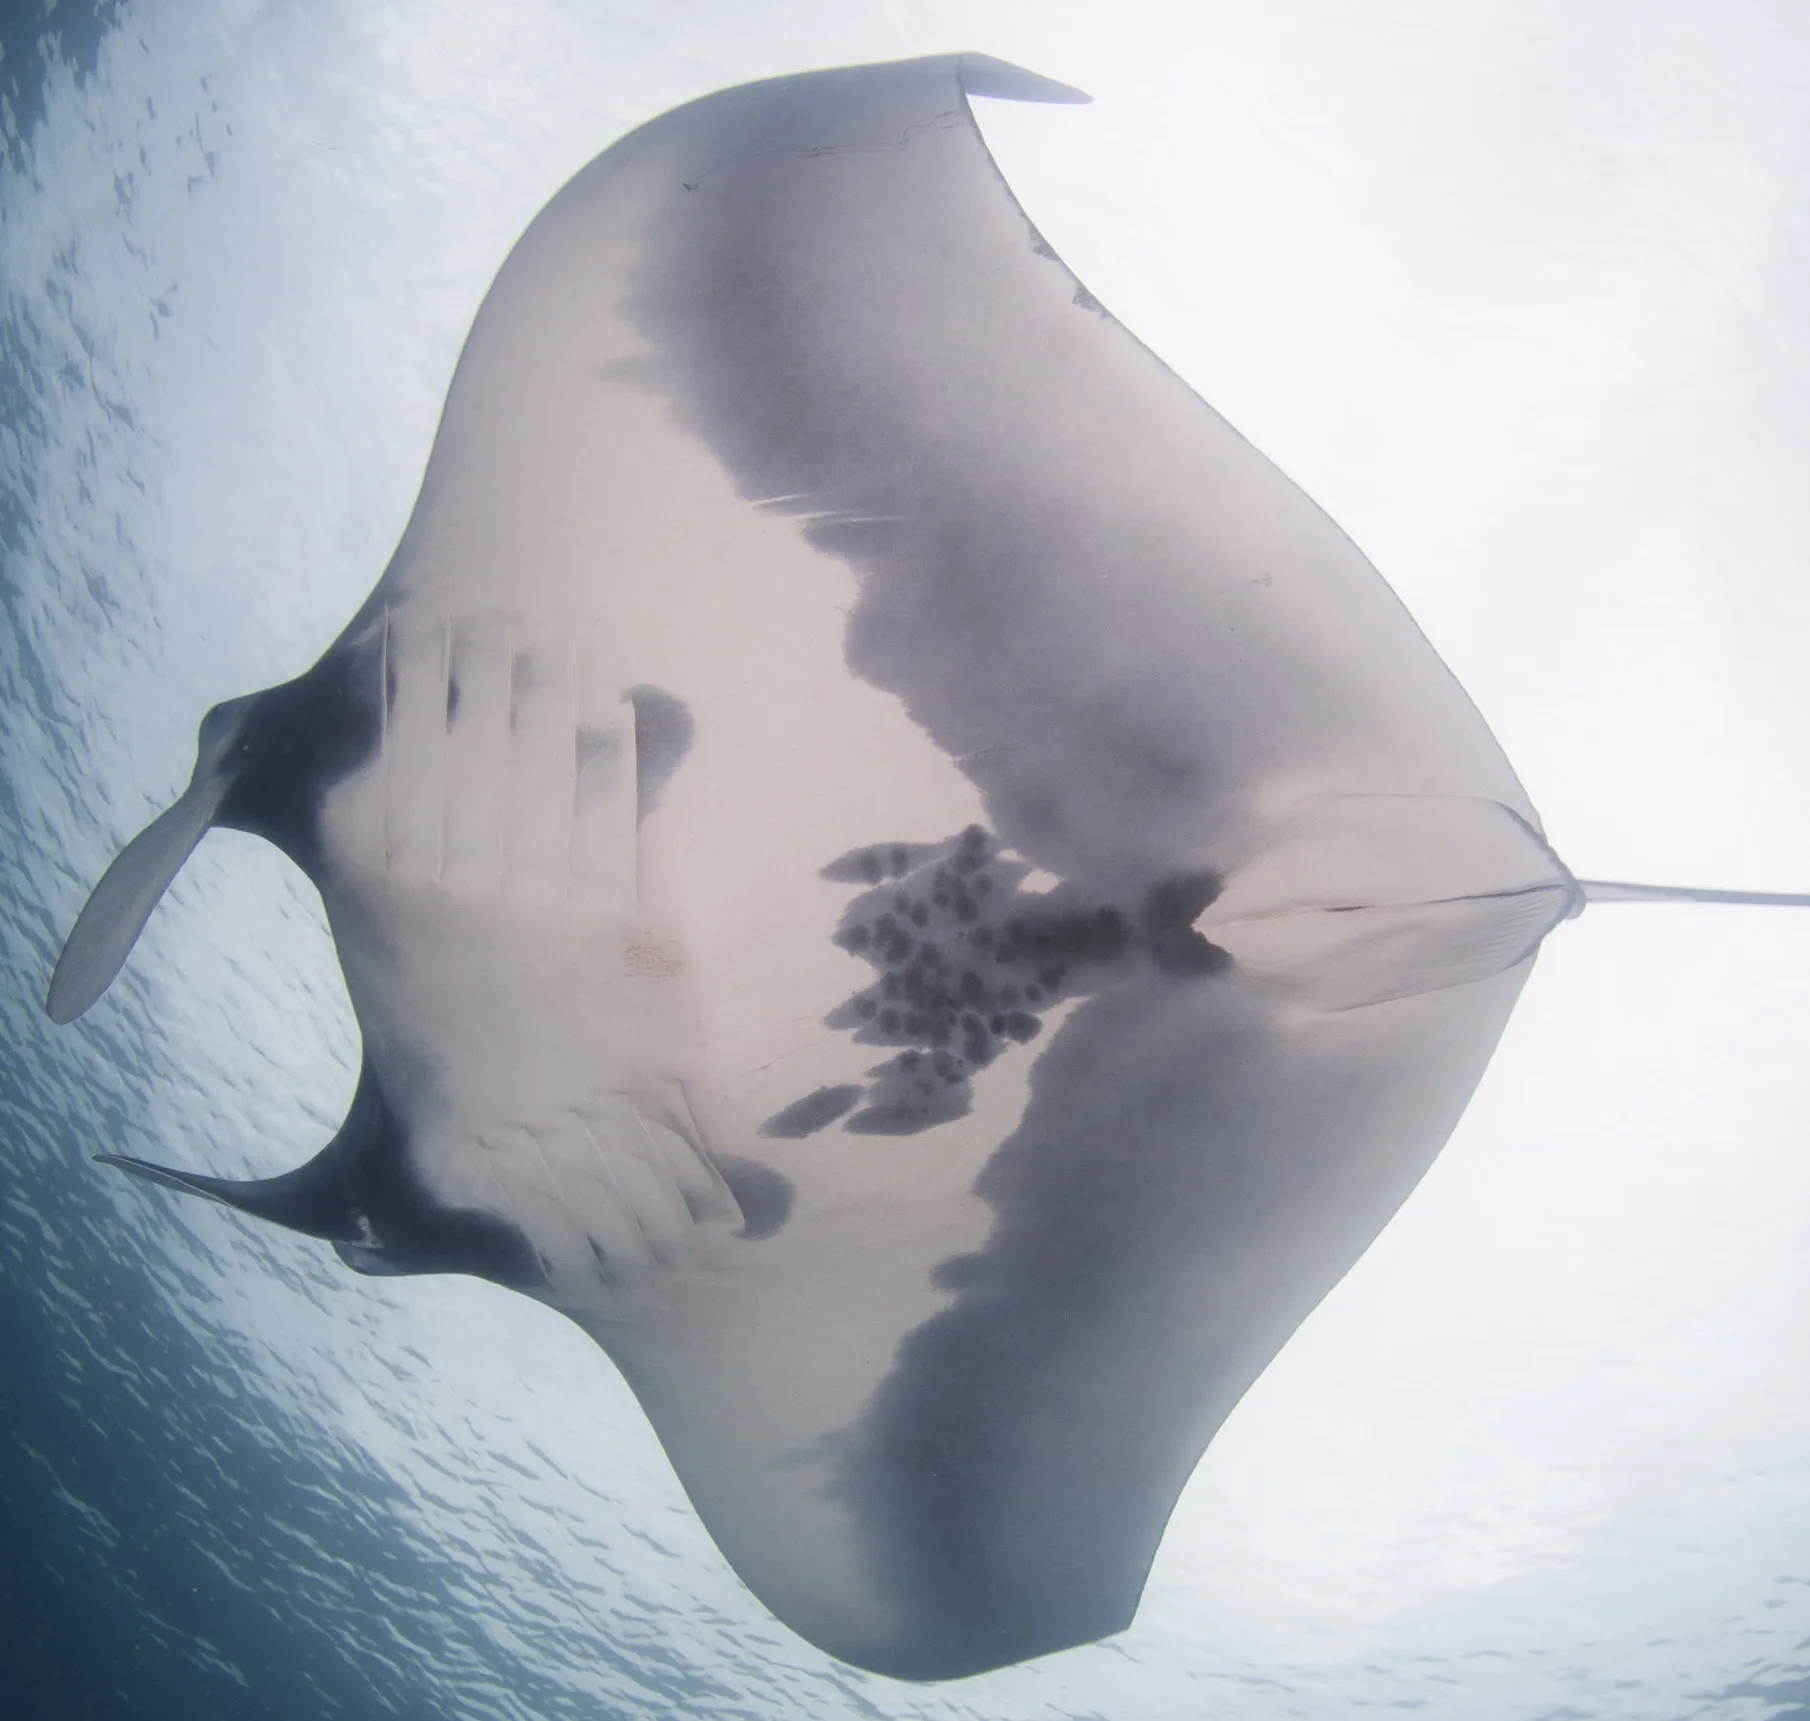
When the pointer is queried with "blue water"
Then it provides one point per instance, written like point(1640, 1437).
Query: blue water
point(1546, 1455)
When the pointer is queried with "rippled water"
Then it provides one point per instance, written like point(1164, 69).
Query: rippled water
point(1546, 1453)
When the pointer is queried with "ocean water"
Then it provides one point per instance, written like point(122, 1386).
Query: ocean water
point(1545, 1454)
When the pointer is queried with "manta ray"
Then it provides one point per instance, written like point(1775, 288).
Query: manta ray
point(889, 865)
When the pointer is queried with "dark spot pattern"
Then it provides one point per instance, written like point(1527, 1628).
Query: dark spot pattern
point(968, 962)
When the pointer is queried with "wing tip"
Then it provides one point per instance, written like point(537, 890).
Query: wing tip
point(983, 75)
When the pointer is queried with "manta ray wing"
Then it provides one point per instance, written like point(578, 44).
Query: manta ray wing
point(888, 863)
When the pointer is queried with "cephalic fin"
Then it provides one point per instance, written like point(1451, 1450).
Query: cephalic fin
point(116, 911)
point(295, 1199)
point(118, 907)
point(361, 1194)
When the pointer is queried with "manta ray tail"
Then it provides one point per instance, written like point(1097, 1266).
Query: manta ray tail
point(1606, 890)
point(116, 911)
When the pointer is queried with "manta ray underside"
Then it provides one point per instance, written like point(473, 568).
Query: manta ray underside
point(889, 865)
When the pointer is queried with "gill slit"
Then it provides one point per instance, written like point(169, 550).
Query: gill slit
point(665, 1179)
point(623, 1197)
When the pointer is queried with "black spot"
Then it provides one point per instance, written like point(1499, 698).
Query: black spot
point(452, 699)
point(806, 1116)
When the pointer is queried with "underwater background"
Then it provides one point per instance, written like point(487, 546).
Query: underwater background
point(1521, 295)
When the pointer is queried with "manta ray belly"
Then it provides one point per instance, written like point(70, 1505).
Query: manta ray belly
point(888, 864)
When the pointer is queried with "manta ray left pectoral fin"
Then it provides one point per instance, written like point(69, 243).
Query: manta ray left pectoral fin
point(361, 1194)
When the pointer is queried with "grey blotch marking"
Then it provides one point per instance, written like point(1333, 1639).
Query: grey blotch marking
point(764, 1196)
point(814, 1112)
point(598, 750)
point(663, 733)
point(523, 675)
